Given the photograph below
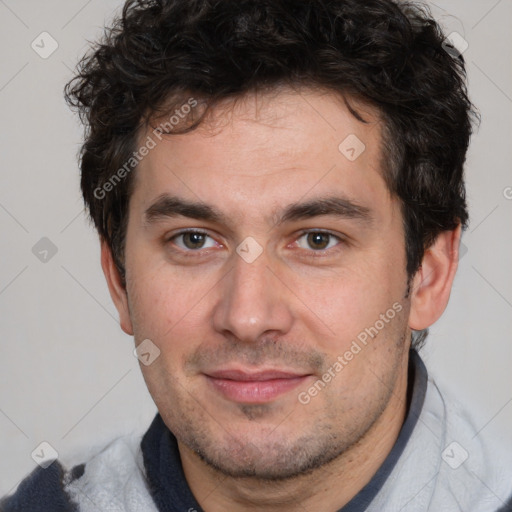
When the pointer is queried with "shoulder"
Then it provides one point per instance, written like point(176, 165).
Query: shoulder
point(448, 463)
point(474, 467)
point(113, 478)
point(44, 490)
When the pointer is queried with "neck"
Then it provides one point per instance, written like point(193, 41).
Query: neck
point(325, 489)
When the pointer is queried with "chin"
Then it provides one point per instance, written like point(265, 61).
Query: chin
point(265, 459)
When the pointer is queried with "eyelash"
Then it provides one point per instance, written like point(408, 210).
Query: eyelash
point(308, 253)
point(186, 231)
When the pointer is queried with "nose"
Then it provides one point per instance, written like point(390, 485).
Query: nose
point(252, 301)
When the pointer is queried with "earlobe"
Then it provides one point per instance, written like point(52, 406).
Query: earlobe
point(116, 288)
point(433, 281)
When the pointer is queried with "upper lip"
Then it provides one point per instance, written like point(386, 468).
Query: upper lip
point(251, 376)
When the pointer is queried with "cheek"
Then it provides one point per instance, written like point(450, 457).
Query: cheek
point(148, 300)
point(166, 305)
point(343, 303)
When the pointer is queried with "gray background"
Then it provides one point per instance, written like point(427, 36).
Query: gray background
point(67, 372)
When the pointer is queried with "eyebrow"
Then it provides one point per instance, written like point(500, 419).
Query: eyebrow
point(171, 206)
point(334, 206)
point(167, 206)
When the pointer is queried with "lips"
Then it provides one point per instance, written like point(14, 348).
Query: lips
point(254, 387)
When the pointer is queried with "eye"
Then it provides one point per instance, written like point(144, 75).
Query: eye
point(193, 240)
point(318, 240)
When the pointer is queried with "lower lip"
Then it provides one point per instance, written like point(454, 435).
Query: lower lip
point(252, 392)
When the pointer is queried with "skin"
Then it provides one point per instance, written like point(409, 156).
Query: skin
point(294, 308)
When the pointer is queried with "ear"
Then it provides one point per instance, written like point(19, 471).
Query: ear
point(433, 281)
point(116, 288)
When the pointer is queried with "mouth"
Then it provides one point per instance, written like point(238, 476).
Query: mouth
point(254, 387)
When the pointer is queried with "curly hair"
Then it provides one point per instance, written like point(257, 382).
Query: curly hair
point(388, 53)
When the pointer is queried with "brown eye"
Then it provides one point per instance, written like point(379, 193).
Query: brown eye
point(317, 240)
point(193, 240)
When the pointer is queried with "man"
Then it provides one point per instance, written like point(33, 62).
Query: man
point(278, 190)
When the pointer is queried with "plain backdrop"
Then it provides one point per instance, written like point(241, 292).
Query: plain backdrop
point(67, 372)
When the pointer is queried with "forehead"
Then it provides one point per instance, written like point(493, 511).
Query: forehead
point(263, 150)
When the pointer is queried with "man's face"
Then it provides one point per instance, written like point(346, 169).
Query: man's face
point(247, 326)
